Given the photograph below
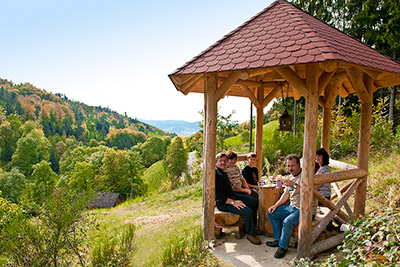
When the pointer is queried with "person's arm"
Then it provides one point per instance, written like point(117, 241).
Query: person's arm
point(236, 203)
point(246, 186)
point(238, 188)
point(284, 197)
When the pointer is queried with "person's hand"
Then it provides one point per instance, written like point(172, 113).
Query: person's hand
point(239, 204)
point(272, 209)
point(288, 183)
point(248, 191)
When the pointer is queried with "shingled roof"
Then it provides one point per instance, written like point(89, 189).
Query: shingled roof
point(283, 35)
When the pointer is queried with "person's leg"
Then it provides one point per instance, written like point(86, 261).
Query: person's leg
point(276, 219)
point(246, 214)
point(287, 227)
point(250, 202)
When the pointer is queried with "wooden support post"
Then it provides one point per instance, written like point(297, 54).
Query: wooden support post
point(363, 147)
point(326, 127)
point(259, 131)
point(210, 140)
point(309, 149)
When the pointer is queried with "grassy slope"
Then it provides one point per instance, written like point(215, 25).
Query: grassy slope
point(268, 130)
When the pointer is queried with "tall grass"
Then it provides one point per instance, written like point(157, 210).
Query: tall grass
point(188, 250)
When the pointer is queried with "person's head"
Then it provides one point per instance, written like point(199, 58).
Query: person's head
point(251, 159)
point(293, 164)
point(322, 157)
point(232, 158)
point(221, 160)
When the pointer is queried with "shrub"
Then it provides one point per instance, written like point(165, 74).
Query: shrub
point(54, 238)
point(115, 250)
point(189, 250)
point(372, 241)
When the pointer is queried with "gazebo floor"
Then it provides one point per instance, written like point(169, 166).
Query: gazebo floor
point(240, 252)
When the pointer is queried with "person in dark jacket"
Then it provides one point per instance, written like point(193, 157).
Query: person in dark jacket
point(227, 200)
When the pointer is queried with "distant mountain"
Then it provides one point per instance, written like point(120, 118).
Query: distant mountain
point(178, 127)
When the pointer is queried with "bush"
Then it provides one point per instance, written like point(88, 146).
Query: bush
point(54, 238)
point(190, 250)
point(115, 250)
point(372, 241)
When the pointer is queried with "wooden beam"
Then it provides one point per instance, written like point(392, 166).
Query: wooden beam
point(346, 205)
point(321, 101)
point(257, 72)
point(363, 149)
point(330, 205)
point(270, 96)
point(318, 230)
point(324, 80)
point(250, 83)
point(259, 131)
point(309, 150)
point(210, 139)
point(356, 80)
point(226, 85)
point(325, 178)
point(250, 94)
point(188, 85)
point(326, 127)
point(341, 165)
point(375, 75)
point(293, 79)
point(331, 91)
point(343, 189)
point(328, 66)
point(342, 91)
point(326, 244)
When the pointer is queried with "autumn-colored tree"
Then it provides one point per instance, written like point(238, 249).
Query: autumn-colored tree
point(124, 138)
point(10, 132)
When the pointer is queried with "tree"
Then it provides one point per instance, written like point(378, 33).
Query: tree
point(121, 171)
point(153, 150)
point(82, 178)
point(43, 181)
point(31, 149)
point(176, 159)
point(9, 134)
point(12, 184)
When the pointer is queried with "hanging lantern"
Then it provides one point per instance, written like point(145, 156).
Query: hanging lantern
point(285, 122)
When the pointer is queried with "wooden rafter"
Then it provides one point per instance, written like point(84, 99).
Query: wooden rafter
point(293, 79)
point(251, 95)
point(356, 79)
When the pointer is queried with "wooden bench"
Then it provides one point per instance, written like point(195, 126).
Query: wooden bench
point(229, 221)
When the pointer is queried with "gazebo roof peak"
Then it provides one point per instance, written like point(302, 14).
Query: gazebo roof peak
point(283, 35)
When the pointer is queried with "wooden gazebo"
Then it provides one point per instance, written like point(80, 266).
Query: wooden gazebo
point(282, 45)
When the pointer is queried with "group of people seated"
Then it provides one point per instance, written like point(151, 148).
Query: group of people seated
point(236, 191)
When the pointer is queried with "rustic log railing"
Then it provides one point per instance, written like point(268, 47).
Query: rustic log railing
point(346, 172)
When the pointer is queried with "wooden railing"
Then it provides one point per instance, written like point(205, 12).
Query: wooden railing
point(346, 172)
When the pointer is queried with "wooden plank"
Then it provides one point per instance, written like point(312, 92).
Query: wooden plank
point(363, 150)
point(250, 83)
point(210, 137)
point(326, 127)
point(270, 96)
point(326, 178)
point(327, 244)
point(250, 94)
point(324, 222)
point(309, 151)
point(293, 79)
point(356, 80)
point(227, 84)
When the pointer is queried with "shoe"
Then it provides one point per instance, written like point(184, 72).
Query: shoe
point(259, 232)
point(254, 239)
point(280, 253)
point(273, 244)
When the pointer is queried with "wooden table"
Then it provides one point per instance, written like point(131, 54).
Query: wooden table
point(267, 196)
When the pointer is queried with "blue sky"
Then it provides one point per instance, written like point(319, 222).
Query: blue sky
point(118, 53)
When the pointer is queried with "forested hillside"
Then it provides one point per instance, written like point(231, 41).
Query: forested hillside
point(56, 114)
